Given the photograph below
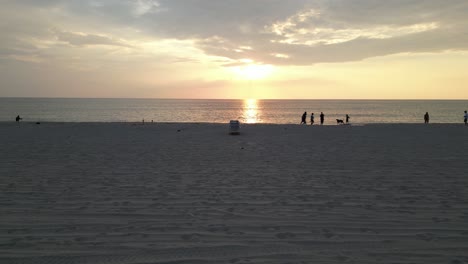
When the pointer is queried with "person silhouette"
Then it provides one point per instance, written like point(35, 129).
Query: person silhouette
point(347, 118)
point(18, 118)
point(312, 119)
point(426, 118)
point(466, 118)
point(322, 118)
point(304, 117)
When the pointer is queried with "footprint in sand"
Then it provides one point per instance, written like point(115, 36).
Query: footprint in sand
point(271, 228)
point(191, 237)
point(426, 237)
point(240, 261)
point(14, 241)
point(342, 258)
point(368, 230)
point(218, 228)
point(365, 230)
point(235, 233)
point(328, 233)
point(285, 235)
point(440, 220)
point(80, 239)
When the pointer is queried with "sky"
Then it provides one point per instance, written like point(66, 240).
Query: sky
point(265, 49)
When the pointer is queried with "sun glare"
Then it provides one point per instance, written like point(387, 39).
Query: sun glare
point(251, 111)
point(253, 71)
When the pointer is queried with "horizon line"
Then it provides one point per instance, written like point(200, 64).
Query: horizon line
point(266, 99)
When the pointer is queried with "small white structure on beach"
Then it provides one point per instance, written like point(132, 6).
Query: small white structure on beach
point(234, 127)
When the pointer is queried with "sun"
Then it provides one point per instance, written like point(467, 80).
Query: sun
point(253, 71)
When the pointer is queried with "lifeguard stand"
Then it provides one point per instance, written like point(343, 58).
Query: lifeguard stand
point(234, 127)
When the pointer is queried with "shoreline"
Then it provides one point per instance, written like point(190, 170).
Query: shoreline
point(227, 123)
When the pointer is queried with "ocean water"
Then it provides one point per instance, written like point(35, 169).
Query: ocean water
point(221, 111)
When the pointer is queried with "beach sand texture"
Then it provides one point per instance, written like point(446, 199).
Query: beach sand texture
point(117, 193)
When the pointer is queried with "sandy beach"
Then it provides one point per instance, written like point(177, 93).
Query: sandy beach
point(122, 193)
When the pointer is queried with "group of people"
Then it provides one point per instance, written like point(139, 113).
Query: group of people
point(465, 117)
point(322, 118)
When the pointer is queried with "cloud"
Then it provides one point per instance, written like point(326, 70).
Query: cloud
point(142, 7)
point(299, 30)
point(339, 31)
point(296, 32)
point(82, 39)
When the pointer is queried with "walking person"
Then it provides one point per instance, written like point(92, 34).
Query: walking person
point(347, 118)
point(18, 118)
point(426, 118)
point(322, 118)
point(312, 119)
point(466, 118)
point(304, 117)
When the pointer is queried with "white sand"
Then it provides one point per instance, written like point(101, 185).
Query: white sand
point(123, 193)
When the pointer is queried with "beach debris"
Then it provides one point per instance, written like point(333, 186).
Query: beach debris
point(234, 127)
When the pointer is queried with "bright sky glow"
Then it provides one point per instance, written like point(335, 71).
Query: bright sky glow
point(253, 71)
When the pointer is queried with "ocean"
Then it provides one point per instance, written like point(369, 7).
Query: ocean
point(221, 111)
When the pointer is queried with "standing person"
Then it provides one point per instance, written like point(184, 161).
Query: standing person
point(466, 118)
point(347, 118)
point(18, 118)
point(304, 117)
point(322, 118)
point(312, 119)
point(426, 118)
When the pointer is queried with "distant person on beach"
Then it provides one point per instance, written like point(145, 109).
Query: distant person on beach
point(304, 117)
point(426, 118)
point(466, 118)
point(18, 118)
point(312, 119)
point(347, 118)
point(322, 118)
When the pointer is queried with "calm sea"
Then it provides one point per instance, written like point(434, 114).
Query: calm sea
point(221, 111)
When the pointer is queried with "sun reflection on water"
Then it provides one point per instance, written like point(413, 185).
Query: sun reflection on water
point(251, 111)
